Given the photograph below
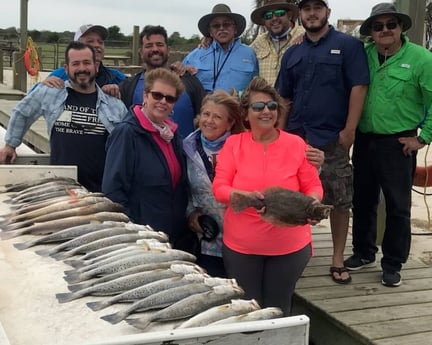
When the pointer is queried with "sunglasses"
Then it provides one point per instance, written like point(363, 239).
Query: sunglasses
point(224, 25)
point(276, 13)
point(157, 96)
point(259, 106)
point(377, 27)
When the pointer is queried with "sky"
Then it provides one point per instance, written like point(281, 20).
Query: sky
point(175, 15)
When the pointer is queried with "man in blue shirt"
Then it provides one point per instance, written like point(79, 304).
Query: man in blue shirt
point(107, 78)
point(154, 53)
point(227, 63)
point(325, 80)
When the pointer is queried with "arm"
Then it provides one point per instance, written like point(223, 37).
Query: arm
point(355, 108)
point(283, 120)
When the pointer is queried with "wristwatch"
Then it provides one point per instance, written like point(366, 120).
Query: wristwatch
point(421, 140)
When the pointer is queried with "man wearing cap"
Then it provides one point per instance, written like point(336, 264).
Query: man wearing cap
point(279, 18)
point(387, 140)
point(325, 80)
point(107, 78)
point(226, 63)
point(78, 117)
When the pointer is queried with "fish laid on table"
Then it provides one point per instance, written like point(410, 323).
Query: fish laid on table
point(122, 264)
point(17, 187)
point(236, 307)
point(283, 206)
point(158, 286)
point(34, 193)
point(71, 192)
point(105, 205)
point(122, 284)
point(61, 224)
point(190, 306)
point(260, 314)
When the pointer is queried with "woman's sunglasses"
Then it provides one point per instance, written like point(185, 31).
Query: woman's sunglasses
point(157, 96)
point(259, 106)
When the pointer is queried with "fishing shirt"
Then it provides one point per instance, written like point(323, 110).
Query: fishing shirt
point(244, 164)
point(400, 91)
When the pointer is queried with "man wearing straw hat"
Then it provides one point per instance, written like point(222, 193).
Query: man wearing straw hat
point(387, 140)
point(226, 63)
point(279, 18)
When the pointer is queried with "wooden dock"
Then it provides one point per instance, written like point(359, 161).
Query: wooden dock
point(361, 313)
point(364, 312)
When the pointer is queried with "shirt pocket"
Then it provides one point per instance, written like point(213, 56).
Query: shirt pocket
point(328, 70)
point(397, 81)
point(242, 71)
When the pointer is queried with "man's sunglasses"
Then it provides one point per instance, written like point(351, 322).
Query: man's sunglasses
point(223, 25)
point(157, 96)
point(276, 13)
point(259, 106)
point(377, 27)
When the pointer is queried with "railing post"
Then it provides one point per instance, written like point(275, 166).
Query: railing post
point(1, 66)
point(135, 46)
point(19, 72)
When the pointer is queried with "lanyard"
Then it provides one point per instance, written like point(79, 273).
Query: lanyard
point(209, 166)
point(216, 71)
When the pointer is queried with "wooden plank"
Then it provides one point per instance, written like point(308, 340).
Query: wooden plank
point(411, 339)
point(395, 312)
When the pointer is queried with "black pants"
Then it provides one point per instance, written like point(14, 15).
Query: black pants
point(379, 163)
point(270, 280)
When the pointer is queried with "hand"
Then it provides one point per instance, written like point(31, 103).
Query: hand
point(193, 222)
point(54, 82)
point(315, 156)
point(112, 90)
point(7, 155)
point(346, 138)
point(205, 42)
point(410, 144)
point(298, 40)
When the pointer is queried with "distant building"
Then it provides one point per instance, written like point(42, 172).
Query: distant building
point(350, 26)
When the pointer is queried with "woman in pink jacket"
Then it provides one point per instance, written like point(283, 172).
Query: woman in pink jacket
point(266, 260)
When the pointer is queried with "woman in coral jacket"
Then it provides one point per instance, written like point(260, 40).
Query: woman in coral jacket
point(266, 260)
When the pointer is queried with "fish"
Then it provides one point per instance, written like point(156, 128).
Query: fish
point(85, 209)
point(131, 270)
point(48, 196)
point(119, 285)
point(122, 264)
point(283, 207)
point(60, 224)
point(236, 307)
point(150, 289)
point(256, 315)
point(17, 187)
point(190, 306)
point(29, 196)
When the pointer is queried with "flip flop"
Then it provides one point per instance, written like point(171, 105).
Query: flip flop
point(340, 270)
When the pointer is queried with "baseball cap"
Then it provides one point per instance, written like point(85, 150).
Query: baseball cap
point(83, 29)
point(301, 3)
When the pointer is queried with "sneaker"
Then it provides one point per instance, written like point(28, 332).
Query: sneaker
point(354, 263)
point(391, 279)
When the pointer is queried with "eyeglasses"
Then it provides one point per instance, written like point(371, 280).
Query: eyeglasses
point(223, 25)
point(276, 13)
point(157, 96)
point(259, 106)
point(378, 26)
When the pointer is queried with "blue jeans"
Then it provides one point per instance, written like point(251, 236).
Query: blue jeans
point(379, 163)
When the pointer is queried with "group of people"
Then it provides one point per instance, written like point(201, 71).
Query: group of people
point(173, 147)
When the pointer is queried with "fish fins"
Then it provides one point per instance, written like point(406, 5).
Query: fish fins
point(140, 323)
point(66, 297)
point(97, 305)
point(114, 318)
point(23, 245)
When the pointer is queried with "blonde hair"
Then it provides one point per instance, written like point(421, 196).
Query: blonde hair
point(259, 84)
point(165, 76)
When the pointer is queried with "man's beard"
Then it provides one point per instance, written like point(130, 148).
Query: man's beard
point(84, 84)
point(314, 29)
point(159, 63)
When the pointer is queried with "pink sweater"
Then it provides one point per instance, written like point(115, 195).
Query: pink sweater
point(245, 165)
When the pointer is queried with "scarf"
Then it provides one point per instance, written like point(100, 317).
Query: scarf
point(215, 145)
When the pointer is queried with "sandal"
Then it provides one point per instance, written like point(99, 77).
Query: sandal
point(340, 270)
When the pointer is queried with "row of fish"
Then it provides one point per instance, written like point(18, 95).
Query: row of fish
point(128, 264)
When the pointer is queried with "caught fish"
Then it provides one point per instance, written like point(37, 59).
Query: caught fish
point(283, 206)
point(260, 314)
point(236, 307)
point(190, 306)
point(153, 257)
point(60, 224)
point(17, 187)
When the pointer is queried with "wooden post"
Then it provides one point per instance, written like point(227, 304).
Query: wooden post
point(416, 9)
point(135, 46)
point(19, 70)
point(1, 66)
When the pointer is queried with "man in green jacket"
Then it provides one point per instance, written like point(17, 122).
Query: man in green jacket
point(387, 140)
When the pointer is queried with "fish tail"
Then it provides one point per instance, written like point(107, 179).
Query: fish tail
point(114, 318)
point(66, 297)
point(77, 287)
point(6, 235)
point(239, 202)
point(75, 263)
point(97, 305)
point(73, 278)
point(140, 323)
point(61, 255)
point(23, 245)
point(44, 252)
